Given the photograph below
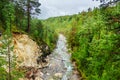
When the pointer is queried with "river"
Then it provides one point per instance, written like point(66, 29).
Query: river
point(59, 63)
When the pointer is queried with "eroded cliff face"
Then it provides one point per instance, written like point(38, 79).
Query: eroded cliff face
point(29, 56)
point(26, 50)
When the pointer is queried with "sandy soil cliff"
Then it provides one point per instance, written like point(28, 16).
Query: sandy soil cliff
point(26, 50)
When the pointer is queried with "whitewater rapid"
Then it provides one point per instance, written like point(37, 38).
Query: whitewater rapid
point(59, 65)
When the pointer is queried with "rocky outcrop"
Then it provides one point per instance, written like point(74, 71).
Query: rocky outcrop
point(45, 52)
point(26, 50)
point(30, 56)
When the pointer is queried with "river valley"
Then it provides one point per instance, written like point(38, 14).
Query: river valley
point(59, 65)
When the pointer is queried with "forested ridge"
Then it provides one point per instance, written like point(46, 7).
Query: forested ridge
point(94, 39)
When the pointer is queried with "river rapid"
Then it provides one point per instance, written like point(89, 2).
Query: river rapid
point(59, 65)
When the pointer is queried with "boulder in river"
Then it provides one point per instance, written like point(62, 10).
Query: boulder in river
point(59, 75)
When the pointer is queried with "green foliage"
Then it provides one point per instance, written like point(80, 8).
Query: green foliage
point(13, 20)
point(94, 38)
point(37, 28)
point(7, 60)
point(97, 55)
point(7, 14)
point(42, 34)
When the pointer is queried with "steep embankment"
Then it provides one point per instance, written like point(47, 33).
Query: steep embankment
point(26, 50)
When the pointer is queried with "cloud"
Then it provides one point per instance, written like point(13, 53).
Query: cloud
point(51, 8)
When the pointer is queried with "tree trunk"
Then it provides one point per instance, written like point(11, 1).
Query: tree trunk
point(28, 15)
point(9, 63)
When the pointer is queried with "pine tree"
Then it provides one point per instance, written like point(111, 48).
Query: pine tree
point(30, 8)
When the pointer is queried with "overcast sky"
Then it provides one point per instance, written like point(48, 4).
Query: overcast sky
point(52, 8)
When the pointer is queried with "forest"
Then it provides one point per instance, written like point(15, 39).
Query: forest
point(93, 37)
point(94, 40)
point(18, 17)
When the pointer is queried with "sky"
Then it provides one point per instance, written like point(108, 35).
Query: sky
point(53, 8)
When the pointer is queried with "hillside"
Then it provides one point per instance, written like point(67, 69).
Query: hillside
point(94, 39)
point(83, 46)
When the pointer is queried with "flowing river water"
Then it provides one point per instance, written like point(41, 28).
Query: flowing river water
point(59, 63)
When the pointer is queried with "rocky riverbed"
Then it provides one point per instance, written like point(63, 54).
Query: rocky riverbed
point(59, 66)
